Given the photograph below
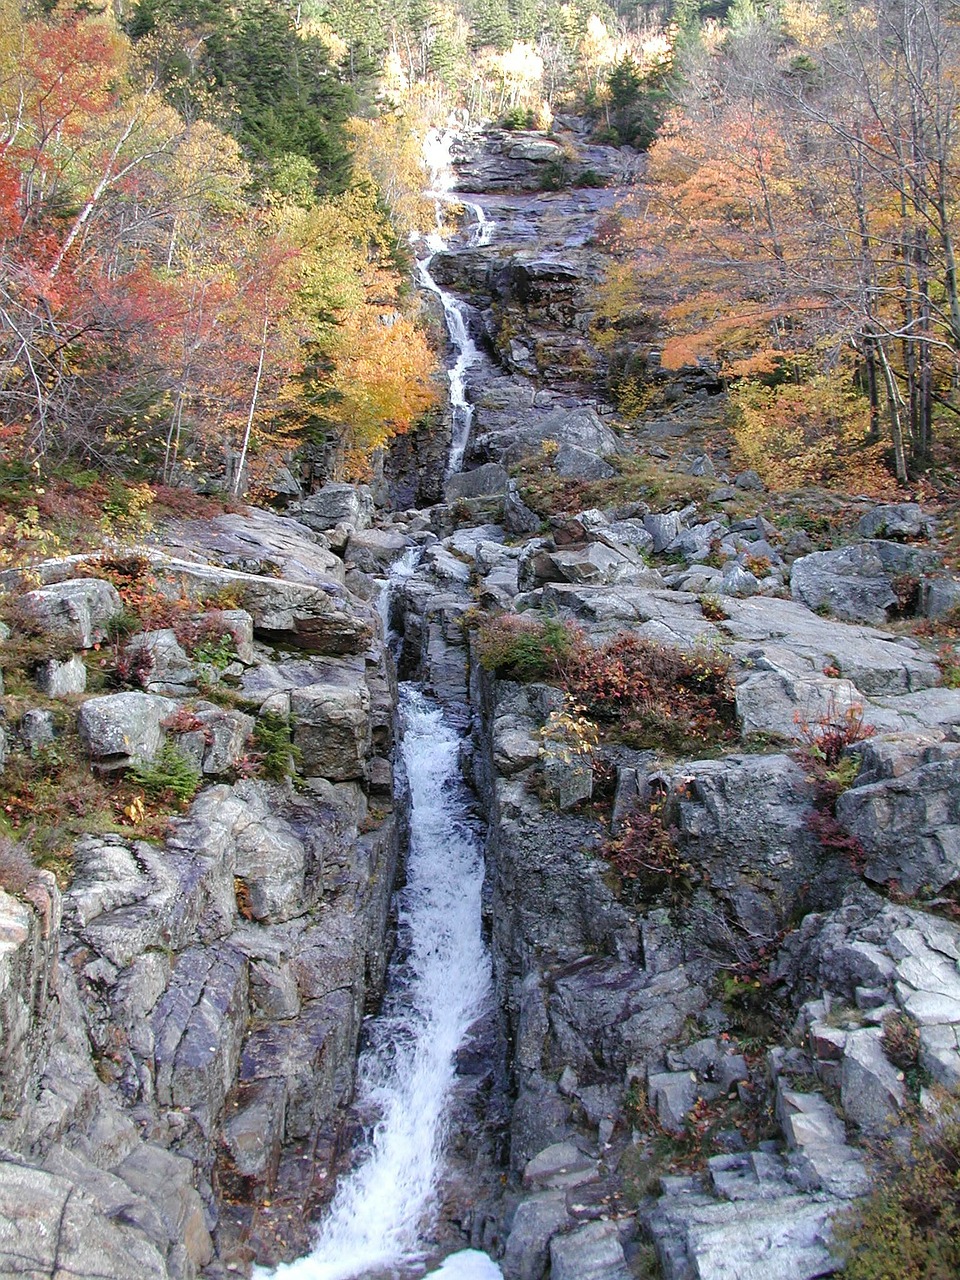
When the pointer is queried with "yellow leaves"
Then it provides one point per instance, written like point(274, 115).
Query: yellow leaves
point(388, 152)
point(811, 433)
point(136, 811)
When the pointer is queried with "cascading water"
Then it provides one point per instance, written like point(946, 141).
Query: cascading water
point(467, 353)
point(440, 980)
point(436, 991)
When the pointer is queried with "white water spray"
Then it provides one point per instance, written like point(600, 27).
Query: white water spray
point(436, 149)
point(378, 1216)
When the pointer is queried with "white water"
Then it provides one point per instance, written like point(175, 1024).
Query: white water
point(467, 353)
point(381, 1210)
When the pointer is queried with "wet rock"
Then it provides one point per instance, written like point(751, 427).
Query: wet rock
point(119, 728)
point(561, 1165)
point(535, 1221)
point(375, 550)
point(592, 1252)
point(50, 1227)
point(165, 1181)
point(78, 611)
point(29, 927)
point(788, 1238)
point(198, 1027)
point(60, 679)
point(742, 820)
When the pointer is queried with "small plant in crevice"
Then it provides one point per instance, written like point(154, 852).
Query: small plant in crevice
point(712, 607)
point(646, 856)
point(900, 1041)
point(274, 754)
point(948, 660)
point(831, 769)
point(170, 777)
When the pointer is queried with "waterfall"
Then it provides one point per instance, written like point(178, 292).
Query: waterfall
point(438, 986)
point(467, 353)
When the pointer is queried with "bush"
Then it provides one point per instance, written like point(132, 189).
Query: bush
point(655, 695)
point(647, 858)
point(16, 866)
point(517, 647)
point(170, 777)
point(908, 1228)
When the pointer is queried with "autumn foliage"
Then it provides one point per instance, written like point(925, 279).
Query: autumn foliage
point(161, 305)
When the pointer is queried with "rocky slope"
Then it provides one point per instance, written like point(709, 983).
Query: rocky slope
point(692, 1069)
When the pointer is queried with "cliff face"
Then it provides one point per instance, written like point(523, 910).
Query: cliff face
point(678, 1040)
point(180, 1024)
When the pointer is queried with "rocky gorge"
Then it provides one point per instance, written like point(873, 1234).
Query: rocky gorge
point(681, 1066)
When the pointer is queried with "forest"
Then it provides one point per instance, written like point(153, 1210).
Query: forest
point(206, 214)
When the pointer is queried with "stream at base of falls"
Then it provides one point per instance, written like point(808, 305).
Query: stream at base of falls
point(381, 1215)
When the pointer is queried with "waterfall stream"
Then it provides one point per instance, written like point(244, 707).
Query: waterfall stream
point(467, 353)
point(440, 981)
point(438, 986)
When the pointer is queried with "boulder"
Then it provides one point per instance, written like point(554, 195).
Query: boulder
point(78, 611)
point(909, 826)
point(672, 1095)
point(849, 583)
point(119, 728)
point(488, 481)
point(572, 462)
point(332, 729)
point(36, 729)
point(871, 1089)
point(319, 616)
point(898, 521)
point(258, 542)
point(337, 504)
point(940, 597)
point(59, 679)
point(162, 660)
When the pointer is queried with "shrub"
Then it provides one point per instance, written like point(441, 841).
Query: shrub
point(908, 1228)
point(823, 754)
point(16, 866)
point(655, 695)
point(948, 660)
point(712, 608)
point(520, 648)
point(646, 856)
point(170, 777)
